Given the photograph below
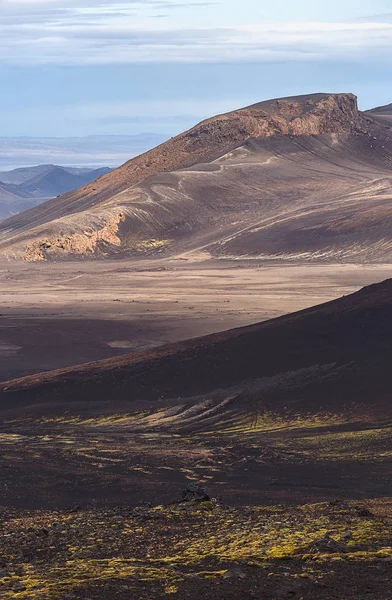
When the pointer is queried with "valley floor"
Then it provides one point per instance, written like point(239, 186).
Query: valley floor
point(91, 506)
point(54, 315)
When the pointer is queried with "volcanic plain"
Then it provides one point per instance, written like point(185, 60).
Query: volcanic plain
point(203, 409)
point(55, 315)
point(253, 463)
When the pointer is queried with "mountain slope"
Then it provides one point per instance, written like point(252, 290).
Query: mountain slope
point(13, 200)
point(9, 191)
point(332, 357)
point(382, 114)
point(152, 204)
point(24, 174)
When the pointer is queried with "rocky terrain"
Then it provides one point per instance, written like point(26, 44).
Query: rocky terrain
point(331, 550)
point(198, 461)
point(250, 463)
point(298, 178)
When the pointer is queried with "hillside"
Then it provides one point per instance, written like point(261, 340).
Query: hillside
point(279, 179)
point(325, 358)
point(382, 114)
point(25, 174)
point(292, 408)
point(13, 200)
point(257, 460)
point(55, 180)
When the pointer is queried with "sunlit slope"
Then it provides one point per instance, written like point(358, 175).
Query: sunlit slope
point(286, 178)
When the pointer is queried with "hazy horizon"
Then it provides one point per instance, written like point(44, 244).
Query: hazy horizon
point(89, 151)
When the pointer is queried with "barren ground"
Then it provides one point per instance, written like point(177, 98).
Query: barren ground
point(286, 425)
point(54, 315)
point(298, 465)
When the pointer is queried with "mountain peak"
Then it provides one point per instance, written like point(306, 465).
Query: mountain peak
point(88, 220)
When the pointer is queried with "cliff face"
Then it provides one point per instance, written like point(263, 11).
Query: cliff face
point(332, 114)
point(46, 230)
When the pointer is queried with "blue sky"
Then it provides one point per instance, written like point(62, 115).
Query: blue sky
point(82, 67)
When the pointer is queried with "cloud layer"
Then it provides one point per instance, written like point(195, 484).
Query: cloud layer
point(102, 33)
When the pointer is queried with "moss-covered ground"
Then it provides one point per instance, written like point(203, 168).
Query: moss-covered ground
point(190, 550)
point(300, 506)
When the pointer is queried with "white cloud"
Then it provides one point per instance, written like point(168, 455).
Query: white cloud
point(91, 32)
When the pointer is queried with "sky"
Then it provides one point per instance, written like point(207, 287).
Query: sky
point(88, 67)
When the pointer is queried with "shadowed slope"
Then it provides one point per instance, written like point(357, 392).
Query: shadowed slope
point(289, 411)
point(326, 358)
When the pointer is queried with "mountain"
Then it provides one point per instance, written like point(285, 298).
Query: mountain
point(22, 188)
point(55, 180)
point(24, 175)
point(10, 192)
point(13, 200)
point(328, 359)
point(297, 178)
point(382, 114)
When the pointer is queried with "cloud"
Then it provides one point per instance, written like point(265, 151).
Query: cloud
point(35, 32)
point(377, 19)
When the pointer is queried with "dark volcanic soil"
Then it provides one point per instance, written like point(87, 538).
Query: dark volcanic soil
point(283, 428)
point(333, 356)
point(291, 409)
point(287, 427)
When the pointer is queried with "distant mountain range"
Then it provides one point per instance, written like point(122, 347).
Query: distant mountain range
point(23, 186)
point(21, 189)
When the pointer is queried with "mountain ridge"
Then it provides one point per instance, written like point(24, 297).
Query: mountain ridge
point(116, 213)
point(382, 114)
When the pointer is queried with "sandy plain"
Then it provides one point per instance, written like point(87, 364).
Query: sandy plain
point(60, 314)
